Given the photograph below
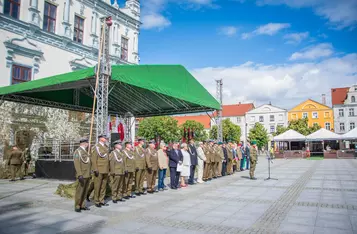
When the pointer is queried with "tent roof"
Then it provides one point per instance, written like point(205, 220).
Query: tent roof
point(323, 134)
point(290, 135)
point(351, 135)
point(143, 90)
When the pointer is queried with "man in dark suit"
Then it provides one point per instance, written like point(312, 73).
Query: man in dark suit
point(225, 154)
point(175, 158)
point(194, 161)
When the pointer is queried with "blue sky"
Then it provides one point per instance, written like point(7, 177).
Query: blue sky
point(282, 51)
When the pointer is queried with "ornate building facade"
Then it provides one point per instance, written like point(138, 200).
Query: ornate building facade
point(44, 38)
point(41, 38)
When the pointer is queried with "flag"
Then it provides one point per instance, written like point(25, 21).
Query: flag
point(184, 135)
point(121, 131)
point(117, 122)
point(188, 134)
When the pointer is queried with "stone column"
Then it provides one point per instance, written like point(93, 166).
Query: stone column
point(34, 13)
point(66, 24)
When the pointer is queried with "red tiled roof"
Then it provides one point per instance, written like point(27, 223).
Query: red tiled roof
point(203, 119)
point(236, 109)
point(339, 95)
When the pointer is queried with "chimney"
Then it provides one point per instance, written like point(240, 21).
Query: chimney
point(324, 99)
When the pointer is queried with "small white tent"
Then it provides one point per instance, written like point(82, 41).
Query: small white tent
point(290, 135)
point(323, 134)
point(351, 135)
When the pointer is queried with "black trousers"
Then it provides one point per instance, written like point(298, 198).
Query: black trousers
point(174, 177)
point(224, 169)
point(192, 174)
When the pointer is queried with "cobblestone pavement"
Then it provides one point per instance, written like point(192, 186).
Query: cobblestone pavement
point(308, 197)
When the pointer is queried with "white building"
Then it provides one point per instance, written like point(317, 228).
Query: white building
point(41, 38)
point(344, 101)
point(269, 116)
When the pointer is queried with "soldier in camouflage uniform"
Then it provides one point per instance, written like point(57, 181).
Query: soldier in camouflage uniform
point(117, 171)
point(82, 165)
point(15, 162)
point(219, 159)
point(129, 170)
point(152, 162)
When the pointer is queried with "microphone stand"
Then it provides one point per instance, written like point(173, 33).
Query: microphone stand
point(269, 161)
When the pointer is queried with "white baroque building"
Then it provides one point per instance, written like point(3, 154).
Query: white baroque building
point(269, 116)
point(41, 38)
point(344, 108)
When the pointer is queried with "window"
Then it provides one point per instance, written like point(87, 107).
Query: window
point(78, 29)
point(49, 17)
point(351, 112)
point(353, 99)
point(124, 48)
point(12, 8)
point(252, 118)
point(315, 115)
point(239, 119)
point(352, 126)
point(20, 74)
point(342, 127)
point(341, 113)
point(272, 118)
point(281, 117)
point(261, 118)
point(272, 129)
point(327, 114)
point(328, 126)
point(304, 115)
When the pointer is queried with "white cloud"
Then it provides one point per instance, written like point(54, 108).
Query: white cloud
point(296, 38)
point(284, 85)
point(153, 16)
point(340, 13)
point(313, 52)
point(267, 29)
point(228, 30)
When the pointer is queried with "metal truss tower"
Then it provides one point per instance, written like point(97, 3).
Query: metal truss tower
point(102, 91)
point(219, 96)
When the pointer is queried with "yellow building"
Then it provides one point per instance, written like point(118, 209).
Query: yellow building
point(315, 112)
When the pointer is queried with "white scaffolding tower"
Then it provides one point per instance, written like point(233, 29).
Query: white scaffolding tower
point(219, 96)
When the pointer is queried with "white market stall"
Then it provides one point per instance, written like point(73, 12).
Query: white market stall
point(290, 144)
point(324, 142)
point(349, 144)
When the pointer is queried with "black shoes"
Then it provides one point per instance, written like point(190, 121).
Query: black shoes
point(253, 178)
point(104, 204)
point(132, 196)
point(85, 208)
point(77, 210)
point(98, 205)
point(115, 201)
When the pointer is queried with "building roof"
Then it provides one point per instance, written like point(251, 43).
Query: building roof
point(203, 119)
point(236, 109)
point(338, 95)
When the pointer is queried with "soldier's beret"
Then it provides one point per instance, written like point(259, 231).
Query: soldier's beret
point(152, 142)
point(230, 141)
point(127, 142)
point(117, 142)
point(254, 142)
point(220, 143)
point(83, 140)
point(141, 139)
point(102, 136)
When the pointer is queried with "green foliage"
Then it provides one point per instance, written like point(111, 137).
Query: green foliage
point(199, 129)
point(301, 126)
point(230, 131)
point(259, 134)
point(280, 130)
point(164, 126)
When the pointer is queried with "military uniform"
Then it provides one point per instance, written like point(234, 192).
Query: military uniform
point(82, 166)
point(207, 163)
point(100, 166)
point(152, 163)
point(213, 168)
point(15, 162)
point(240, 158)
point(219, 160)
point(140, 172)
point(117, 171)
point(230, 159)
point(129, 172)
point(253, 161)
point(26, 157)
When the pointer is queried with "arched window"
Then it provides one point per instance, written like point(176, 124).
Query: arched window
point(353, 99)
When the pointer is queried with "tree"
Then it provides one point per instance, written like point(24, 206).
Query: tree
point(279, 130)
point(197, 127)
point(259, 134)
point(230, 131)
point(302, 126)
point(164, 126)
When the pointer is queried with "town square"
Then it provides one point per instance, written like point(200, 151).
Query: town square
point(187, 116)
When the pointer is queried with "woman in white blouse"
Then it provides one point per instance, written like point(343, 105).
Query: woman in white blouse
point(186, 163)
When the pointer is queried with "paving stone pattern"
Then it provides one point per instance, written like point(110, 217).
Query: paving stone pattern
point(308, 197)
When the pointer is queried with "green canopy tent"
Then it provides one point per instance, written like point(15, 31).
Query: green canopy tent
point(143, 90)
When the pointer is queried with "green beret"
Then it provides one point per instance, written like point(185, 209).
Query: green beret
point(254, 142)
point(220, 143)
